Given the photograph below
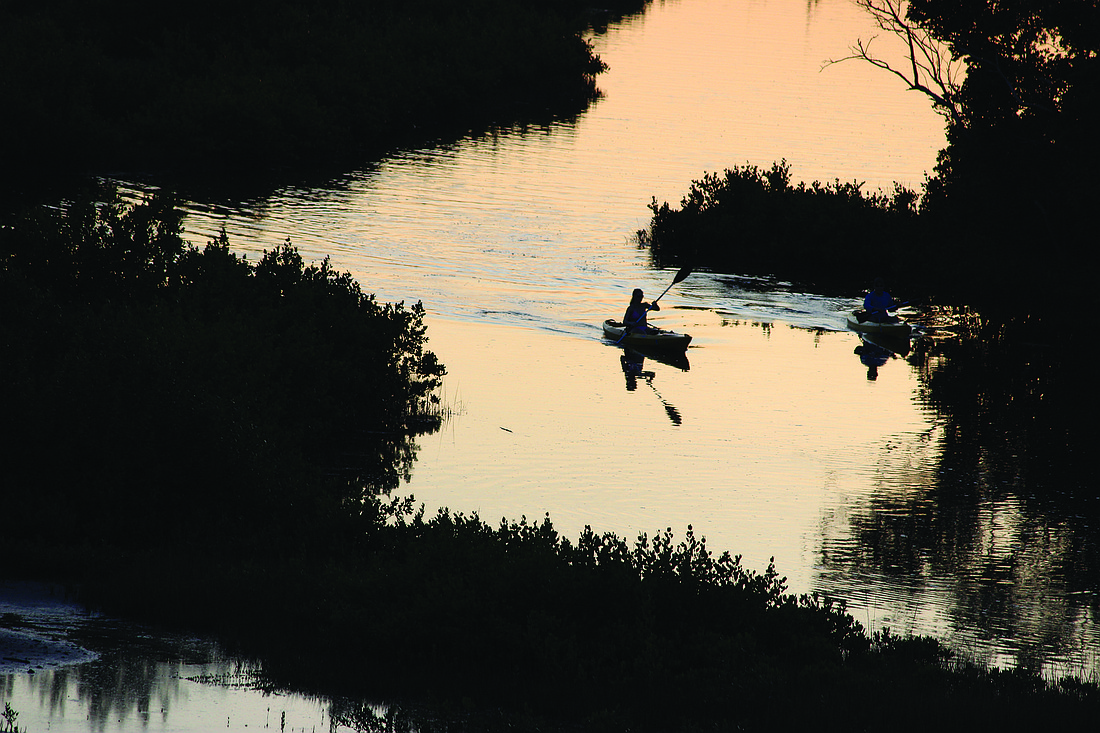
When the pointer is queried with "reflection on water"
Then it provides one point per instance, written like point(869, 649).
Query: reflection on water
point(633, 365)
point(876, 351)
point(128, 677)
point(997, 553)
point(121, 692)
point(772, 426)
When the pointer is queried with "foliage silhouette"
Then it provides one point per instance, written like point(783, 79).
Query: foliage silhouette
point(239, 85)
point(186, 389)
point(1017, 173)
point(755, 221)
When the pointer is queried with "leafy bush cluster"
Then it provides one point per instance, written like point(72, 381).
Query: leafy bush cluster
point(749, 220)
point(594, 633)
point(836, 239)
point(157, 393)
point(460, 626)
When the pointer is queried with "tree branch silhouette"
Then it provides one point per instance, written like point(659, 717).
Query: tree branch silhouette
point(932, 69)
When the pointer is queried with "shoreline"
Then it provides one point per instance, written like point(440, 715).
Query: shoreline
point(35, 630)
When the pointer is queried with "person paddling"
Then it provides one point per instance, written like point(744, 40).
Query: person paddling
point(635, 317)
point(877, 305)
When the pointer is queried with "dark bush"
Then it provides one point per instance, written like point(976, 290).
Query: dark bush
point(155, 393)
point(752, 221)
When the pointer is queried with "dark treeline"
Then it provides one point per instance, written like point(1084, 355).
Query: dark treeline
point(236, 85)
point(1021, 161)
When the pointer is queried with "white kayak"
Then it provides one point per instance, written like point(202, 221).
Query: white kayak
point(898, 329)
point(655, 339)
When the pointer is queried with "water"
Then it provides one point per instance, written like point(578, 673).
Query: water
point(774, 441)
point(94, 673)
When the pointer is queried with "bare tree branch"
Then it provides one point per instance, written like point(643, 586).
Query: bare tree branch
point(932, 70)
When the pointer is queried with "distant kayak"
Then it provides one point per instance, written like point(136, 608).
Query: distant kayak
point(898, 329)
point(655, 339)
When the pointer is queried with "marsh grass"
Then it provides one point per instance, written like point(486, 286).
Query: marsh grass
point(8, 718)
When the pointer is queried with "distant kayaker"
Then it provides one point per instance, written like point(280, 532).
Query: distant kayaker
point(635, 317)
point(878, 303)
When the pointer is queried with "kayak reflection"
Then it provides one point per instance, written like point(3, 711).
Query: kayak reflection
point(633, 364)
point(874, 351)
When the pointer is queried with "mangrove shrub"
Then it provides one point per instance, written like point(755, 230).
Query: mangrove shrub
point(157, 393)
point(754, 221)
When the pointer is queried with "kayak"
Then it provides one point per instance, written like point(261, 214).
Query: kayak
point(655, 339)
point(898, 329)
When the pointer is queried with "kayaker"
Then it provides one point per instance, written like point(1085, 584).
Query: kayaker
point(635, 317)
point(878, 303)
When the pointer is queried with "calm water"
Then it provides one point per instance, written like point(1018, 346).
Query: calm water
point(774, 441)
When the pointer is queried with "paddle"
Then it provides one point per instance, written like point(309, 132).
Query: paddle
point(673, 413)
point(681, 275)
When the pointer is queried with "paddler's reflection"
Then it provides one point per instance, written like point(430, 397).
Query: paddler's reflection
point(633, 365)
point(872, 356)
point(875, 351)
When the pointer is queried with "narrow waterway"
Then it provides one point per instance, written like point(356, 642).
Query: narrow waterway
point(778, 437)
point(519, 244)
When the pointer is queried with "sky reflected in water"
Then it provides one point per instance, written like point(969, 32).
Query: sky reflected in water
point(778, 429)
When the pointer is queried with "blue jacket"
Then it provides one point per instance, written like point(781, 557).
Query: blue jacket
point(635, 316)
point(877, 302)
